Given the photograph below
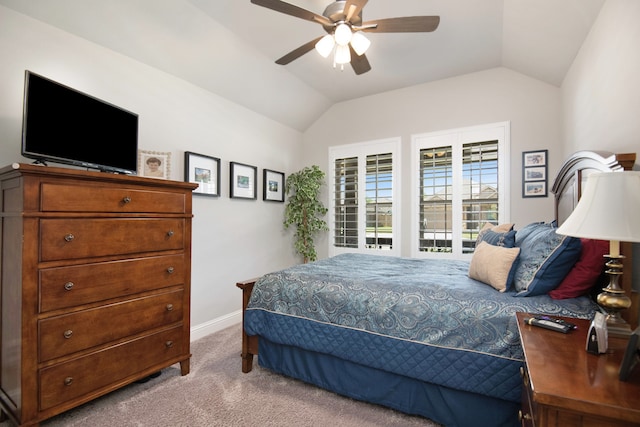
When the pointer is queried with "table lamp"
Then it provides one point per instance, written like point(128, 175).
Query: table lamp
point(609, 209)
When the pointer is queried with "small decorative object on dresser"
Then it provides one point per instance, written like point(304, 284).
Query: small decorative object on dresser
point(565, 386)
point(95, 283)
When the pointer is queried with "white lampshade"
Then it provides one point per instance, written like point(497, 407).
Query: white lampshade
point(325, 45)
point(342, 56)
point(360, 43)
point(609, 209)
point(342, 34)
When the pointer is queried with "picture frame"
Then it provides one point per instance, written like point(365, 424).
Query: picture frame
point(272, 186)
point(154, 164)
point(631, 356)
point(242, 181)
point(204, 171)
point(534, 173)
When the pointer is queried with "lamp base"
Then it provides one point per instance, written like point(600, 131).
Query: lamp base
point(613, 299)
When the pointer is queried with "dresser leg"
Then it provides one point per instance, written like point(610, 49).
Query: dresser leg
point(184, 367)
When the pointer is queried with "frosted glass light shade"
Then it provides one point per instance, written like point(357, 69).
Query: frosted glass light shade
point(608, 209)
point(360, 43)
point(342, 34)
point(342, 56)
point(325, 45)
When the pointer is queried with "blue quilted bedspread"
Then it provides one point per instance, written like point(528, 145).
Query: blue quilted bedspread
point(422, 318)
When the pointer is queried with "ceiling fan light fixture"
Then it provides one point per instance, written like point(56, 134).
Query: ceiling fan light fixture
point(360, 43)
point(342, 34)
point(342, 56)
point(325, 45)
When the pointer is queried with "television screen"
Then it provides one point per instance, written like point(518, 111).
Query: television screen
point(64, 125)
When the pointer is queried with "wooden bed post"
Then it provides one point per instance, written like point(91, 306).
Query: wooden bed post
point(249, 342)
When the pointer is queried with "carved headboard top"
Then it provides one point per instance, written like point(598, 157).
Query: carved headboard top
point(568, 183)
point(567, 188)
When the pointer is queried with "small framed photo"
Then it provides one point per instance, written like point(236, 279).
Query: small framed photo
point(154, 164)
point(535, 158)
point(534, 173)
point(242, 181)
point(204, 171)
point(272, 186)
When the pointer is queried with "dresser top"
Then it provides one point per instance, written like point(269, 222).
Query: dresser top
point(63, 172)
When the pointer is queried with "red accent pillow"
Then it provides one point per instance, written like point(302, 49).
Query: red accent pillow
point(585, 272)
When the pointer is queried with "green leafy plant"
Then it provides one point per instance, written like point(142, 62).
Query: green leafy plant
point(304, 210)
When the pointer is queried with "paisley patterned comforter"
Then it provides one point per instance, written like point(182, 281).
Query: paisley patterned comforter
point(424, 319)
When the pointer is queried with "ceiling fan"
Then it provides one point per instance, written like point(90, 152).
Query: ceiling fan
point(342, 20)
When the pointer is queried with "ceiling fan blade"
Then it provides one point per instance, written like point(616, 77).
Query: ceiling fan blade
point(407, 24)
point(289, 9)
point(360, 64)
point(353, 8)
point(297, 53)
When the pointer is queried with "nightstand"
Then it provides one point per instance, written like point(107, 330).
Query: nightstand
point(564, 386)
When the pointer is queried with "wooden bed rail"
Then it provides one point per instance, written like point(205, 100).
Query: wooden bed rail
point(249, 342)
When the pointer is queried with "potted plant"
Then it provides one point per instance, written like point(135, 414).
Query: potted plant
point(304, 210)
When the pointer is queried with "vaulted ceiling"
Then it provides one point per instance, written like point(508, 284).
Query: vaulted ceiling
point(229, 46)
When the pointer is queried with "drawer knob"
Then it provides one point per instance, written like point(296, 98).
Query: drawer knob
point(68, 286)
point(523, 417)
point(169, 344)
point(67, 334)
point(170, 270)
point(169, 307)
point(68, 381)
point(69, 237)
point(126, 200)
point(170, 233)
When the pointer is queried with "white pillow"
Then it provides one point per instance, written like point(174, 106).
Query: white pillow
point(492, 264)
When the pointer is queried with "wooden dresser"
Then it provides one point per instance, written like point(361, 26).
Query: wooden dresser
point(95, 285)
point(564, 386)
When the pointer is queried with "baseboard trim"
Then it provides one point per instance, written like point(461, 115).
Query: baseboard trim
point(215, 325)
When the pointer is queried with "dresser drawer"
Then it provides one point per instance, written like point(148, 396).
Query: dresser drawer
point(64, 287)
point(66, 334)
point(58, 197)
point(86, 238)
point(79, 377)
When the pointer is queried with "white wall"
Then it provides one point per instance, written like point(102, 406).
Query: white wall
point(601, 91)
point(234, 239)
point(496, 95)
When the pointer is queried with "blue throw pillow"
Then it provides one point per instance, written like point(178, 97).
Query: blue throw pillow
point(545, 258)
point(506, 240)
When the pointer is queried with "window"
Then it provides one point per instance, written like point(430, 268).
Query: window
point(460, 182)
point(364, 217)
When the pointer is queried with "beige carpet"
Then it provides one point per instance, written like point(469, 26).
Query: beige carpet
point(217, 393)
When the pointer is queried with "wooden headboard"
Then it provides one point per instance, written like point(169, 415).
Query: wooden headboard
point(567, 188)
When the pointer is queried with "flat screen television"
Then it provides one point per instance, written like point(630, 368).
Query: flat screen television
point(63, 125)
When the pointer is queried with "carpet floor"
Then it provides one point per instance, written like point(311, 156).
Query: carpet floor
point(217, 393)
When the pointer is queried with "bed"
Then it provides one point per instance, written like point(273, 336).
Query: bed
point(421, 335)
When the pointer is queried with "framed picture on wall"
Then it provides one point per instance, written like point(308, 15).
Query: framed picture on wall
point(204, 171)
point(242, 180)
point(534, 173)
point(272, 186)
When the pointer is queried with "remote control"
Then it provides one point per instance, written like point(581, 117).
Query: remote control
point(547, 324)
point(558, 321)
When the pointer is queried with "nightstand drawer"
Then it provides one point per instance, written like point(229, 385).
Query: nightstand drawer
point(88, 374)
point(86, 238)
point(64, 287)
point(69, 333)
point(58, 197)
